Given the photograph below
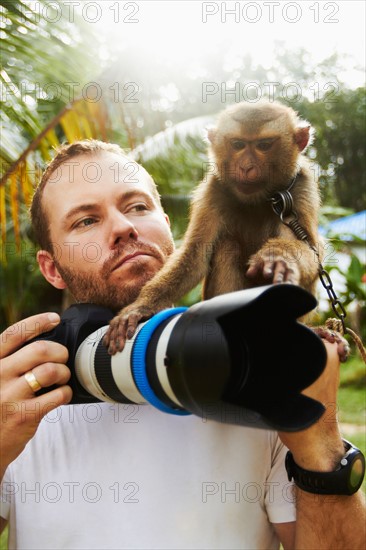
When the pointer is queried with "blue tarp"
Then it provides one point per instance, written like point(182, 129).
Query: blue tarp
point(347, 226)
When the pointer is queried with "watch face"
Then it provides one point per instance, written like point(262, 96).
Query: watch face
point(357, 472)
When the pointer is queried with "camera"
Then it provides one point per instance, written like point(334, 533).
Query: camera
point(242, 358)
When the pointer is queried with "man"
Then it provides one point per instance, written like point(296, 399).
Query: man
point(128, 476)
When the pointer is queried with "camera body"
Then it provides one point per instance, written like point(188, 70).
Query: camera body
point(239, 358)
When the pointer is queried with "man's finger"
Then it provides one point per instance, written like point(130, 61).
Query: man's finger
point(36, 408)
point(32, 355)
point(20, 333)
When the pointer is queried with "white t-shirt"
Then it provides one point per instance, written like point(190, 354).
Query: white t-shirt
point(102, 476)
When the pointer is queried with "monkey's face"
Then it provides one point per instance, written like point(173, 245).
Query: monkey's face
point(248, 162)
point(256, 149)
point(253, 166)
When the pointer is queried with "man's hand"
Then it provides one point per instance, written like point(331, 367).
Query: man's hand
point(320, 447)
point(21, 409)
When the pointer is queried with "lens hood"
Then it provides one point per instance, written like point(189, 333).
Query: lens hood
point(244, 358)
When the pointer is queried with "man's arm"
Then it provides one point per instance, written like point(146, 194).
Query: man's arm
point(330, 522)
point(286, 533)
point(325, 521)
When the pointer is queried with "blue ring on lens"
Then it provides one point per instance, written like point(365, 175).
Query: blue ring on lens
point(139, 363)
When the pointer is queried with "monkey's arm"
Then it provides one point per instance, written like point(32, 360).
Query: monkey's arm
point(287, 259)
point(184, 269)
point(226, 273)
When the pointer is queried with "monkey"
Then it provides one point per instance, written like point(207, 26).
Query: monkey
point(234, 239)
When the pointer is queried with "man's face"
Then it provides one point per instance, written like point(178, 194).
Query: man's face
point(109, 234)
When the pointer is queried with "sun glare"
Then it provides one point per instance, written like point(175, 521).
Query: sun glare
point(181, 31)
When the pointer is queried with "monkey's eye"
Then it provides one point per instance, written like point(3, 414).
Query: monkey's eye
point(264, 145)
point(237, 144)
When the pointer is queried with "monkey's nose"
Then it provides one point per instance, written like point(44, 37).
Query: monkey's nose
point(251, 173)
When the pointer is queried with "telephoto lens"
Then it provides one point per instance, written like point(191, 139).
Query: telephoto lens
point(241, 358)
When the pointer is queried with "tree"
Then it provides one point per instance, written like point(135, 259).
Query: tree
point(340, 121)
point(42, 55)
point(44, 67)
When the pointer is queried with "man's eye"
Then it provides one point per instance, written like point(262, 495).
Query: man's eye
point(264, 145)
point(85, 222)
point(238, 144)
point(140, 207)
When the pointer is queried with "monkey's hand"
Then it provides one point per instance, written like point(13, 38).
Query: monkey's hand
point(333, 336)
point(269, 265)
point(124, 326)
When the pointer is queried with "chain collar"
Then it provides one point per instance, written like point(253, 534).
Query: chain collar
point(283, 206)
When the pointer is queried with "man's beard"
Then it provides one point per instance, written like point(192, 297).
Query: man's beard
point(97, 288)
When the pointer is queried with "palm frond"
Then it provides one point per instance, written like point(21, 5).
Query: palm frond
point(41, 59)
point(75, 122)
point(160, 144)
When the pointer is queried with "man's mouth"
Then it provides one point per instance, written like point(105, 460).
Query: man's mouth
point(128, 258)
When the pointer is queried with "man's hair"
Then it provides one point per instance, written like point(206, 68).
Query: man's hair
point(39, 218)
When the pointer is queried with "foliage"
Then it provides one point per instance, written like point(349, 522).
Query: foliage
point(353, 374)
point(4, 540)
point(355, 285)
point(43, 63)
point(339, 121)
point(176, 157)
point(329, 212)
point(352, 294)
point(80, 120)
point(352, 405)
point(355, 294)
point(26, 288)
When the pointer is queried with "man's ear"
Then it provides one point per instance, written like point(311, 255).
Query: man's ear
point(49, 270)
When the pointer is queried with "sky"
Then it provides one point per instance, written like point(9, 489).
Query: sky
point(177, 29)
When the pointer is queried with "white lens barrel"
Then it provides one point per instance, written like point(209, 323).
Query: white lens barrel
point(120, 368)
point(84, 364)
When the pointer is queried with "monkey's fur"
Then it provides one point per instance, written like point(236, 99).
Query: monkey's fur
point(234, 239)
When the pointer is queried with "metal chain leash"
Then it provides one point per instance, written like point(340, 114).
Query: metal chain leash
point(283, 206)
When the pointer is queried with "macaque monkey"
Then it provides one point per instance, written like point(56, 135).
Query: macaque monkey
point(234, 239)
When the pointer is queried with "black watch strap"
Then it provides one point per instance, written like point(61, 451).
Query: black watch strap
point(346, 479)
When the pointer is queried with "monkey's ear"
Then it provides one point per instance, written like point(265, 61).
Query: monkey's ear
point(211, 133)
point(303, 137)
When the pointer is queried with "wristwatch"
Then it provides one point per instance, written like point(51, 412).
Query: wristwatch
point(346, 479)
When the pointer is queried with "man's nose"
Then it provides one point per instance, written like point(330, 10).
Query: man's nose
point(121, 230)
